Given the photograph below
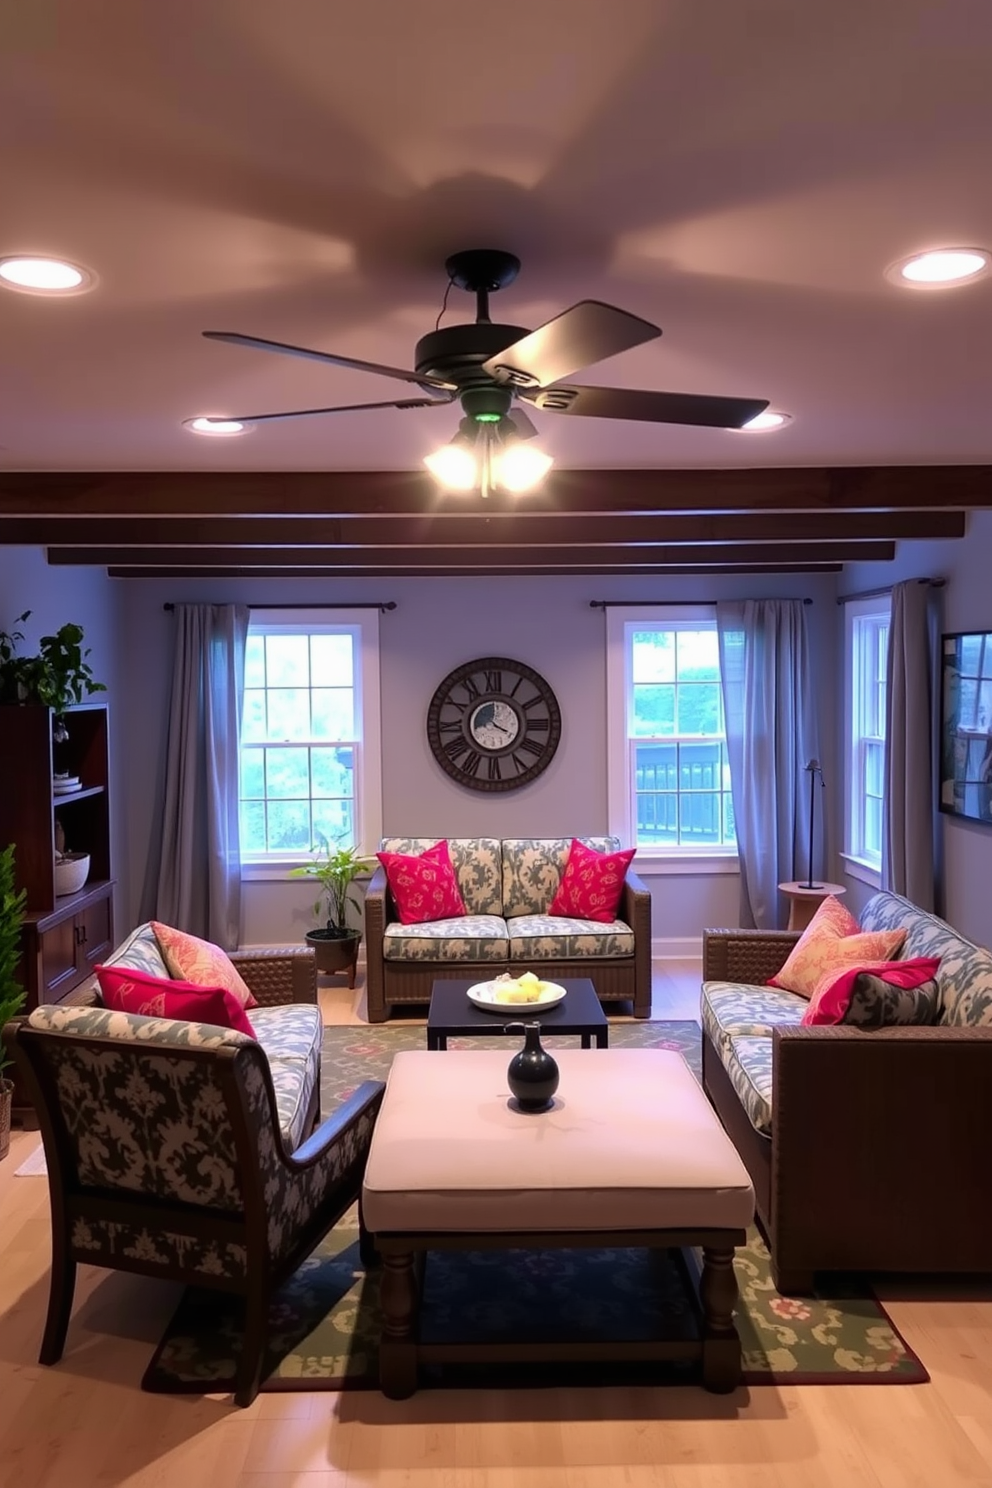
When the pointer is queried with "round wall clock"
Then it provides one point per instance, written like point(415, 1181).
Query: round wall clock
point(493, 724)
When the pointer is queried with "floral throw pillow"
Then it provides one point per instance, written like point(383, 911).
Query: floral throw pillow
point(901, 992)
point(126, 990)
point(423, 885)
point(591, 884)
point(190, 959)
point(833, 942)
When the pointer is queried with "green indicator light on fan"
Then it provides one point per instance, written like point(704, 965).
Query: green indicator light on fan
point(488, 418)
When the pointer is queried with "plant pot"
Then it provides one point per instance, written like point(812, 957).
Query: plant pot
point(71, 872)
point(335, 952)
point(6, 1101)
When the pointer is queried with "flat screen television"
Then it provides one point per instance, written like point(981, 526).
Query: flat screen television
point(966, 725)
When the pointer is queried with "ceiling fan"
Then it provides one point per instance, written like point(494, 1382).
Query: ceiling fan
point(487, 367)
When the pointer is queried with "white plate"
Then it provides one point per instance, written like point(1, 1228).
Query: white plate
point(483, 994)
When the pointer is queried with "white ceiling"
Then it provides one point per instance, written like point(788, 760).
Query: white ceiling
point(740, 174)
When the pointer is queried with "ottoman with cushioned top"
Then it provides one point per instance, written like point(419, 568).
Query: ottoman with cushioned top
point(630, 1154)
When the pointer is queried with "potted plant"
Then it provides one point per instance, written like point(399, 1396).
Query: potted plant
point(335, 869)
point(57, 677)
point(11, 993)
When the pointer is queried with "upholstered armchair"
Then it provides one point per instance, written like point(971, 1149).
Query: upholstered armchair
point(168, 1155)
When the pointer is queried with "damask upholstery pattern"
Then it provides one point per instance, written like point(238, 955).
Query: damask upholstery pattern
point(110, 1240)
point(557, 938)
point(101, 1022)
point(965, 972)
point(292, 1193)
point(291, 1037)
point(748, 1062)
point(532, 870)
point(468, 938)
point(734, 1008)
point(476, 861)
point(141, 952)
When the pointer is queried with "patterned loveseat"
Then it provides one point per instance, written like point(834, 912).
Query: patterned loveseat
point(507, 885)
point(868, 1150)
point(186, 1151)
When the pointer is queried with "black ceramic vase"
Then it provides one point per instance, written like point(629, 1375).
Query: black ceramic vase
point(532, 1074)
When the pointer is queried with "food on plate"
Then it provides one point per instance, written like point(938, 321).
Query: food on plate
point(523, 989)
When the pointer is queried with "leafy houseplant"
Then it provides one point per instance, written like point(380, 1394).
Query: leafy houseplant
point(11, 993)
point(57, 677)
point(335, 869)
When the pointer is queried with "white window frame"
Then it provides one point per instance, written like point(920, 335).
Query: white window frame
point(621, 620)
point(364, 625)
point(863, 618)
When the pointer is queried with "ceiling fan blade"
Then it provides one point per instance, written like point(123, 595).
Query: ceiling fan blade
point(650, 407)
point(258, 344)
point(588, 332)
point(261, 418)
point(525, 428)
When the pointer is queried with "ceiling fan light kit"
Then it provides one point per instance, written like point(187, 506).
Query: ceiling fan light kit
point(940, 268)
point(37, 274)
point(487, 367)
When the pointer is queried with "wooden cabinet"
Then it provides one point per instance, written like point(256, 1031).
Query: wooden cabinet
point(66, 935)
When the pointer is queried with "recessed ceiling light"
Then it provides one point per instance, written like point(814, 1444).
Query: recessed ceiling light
point(763, 423)
point(53, 276)
point(218, 427)
point(940, 268)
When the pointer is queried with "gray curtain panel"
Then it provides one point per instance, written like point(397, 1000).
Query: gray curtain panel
point(771, 735)
point(199, 878)
point(908, 808)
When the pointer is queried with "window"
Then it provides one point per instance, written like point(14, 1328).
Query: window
point(309, 734)
point(669, 773)
point(866, 649)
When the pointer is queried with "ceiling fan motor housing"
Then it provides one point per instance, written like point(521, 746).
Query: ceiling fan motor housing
point(456, 353)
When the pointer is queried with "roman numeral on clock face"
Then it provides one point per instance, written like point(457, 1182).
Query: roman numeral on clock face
point(494, 682)
point(528, 746)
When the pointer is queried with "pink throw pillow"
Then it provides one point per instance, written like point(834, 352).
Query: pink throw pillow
point(833, 942)
point(126, 990)
point(831, 1000)
point(424, 885)
point(592, 883)
point(190, 959)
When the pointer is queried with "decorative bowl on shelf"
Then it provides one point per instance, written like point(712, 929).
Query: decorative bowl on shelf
point(71, 872)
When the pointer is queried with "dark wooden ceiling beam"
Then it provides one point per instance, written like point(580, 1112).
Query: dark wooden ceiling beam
point(516, 528)
point(313, 493)
point(428, 573)
point(455, 560)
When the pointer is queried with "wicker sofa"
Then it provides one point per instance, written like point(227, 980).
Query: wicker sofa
point(507, 885)
point(868, 1150)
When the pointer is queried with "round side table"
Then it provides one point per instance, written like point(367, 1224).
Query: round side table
point(804, 902)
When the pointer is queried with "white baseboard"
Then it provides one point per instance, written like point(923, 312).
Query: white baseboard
point(677, 948)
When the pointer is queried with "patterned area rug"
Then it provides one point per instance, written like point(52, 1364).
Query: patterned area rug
point(324, 1323)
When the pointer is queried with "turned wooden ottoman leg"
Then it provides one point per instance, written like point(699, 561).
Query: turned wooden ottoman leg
point(721, 1343)
point(400, 1300)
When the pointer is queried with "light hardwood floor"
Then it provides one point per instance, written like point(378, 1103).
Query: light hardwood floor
point(85, 1423)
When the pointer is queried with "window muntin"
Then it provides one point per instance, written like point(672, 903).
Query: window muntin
point(868, 643)
point(677, 773)
point(307, 719)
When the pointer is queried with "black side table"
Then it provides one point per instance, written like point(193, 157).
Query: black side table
point(451, 1014)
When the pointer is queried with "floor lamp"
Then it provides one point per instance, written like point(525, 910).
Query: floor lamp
point(814, 769)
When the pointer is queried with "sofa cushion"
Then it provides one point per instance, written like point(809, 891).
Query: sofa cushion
point(191, 959)
point(101, 1022)
point(423, 885)
point(558, 938)
point(533, 868)
point(965, 972)
point(466, 938)
point(291, 1037)
point(591, 884)
point(748, 1062)
point(477, 865)
point(874, 998)
point(831, 944)
point(732, 1009)
point(127, 990)
point(140, 950)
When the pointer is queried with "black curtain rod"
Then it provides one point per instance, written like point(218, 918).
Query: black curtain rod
point(381, 606)
point(877, 593)
point(620, 604)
